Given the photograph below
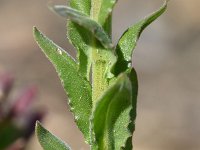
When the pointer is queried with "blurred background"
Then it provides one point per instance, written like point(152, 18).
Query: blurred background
point(167, 59)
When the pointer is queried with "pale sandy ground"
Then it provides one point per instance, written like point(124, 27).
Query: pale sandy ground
point(167, 60)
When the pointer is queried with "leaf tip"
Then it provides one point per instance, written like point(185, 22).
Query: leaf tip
point(35, 32)
point(60, 10)
point(37, 123)
point(50, 5)
point(38, 129)
point(35, 29)
point(37, 126)
point(166, 3)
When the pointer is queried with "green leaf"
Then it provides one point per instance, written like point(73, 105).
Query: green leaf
point(111, 115)
point(134, 82)
point(77, 87)
point(84, 21)
point(49, 141)
point(80, 37)
point(128, 41)
point(103, 9)
point(102, 59)
point(83, 6)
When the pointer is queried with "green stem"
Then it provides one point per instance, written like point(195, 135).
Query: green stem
point(99, 83)
point(98, 62)
point(102, 59)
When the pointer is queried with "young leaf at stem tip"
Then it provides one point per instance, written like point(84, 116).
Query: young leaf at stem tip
point(84, 21)
point(49, 141)
point(104, 11)
point(101, 11)
point(77, 87)
point(128, 41)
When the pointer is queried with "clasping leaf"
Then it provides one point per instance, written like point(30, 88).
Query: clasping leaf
point(111, 115)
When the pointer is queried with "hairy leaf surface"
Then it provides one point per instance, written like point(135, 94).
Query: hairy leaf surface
point(111, 116)
point(49, 141)
point(77, 87)
point(101, 11)
point(134, 82)
point(84, 21)
point(83, 6)
point(128, 41)
point(80, 37)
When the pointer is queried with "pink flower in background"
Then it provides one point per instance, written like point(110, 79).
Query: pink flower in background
point(17, 116)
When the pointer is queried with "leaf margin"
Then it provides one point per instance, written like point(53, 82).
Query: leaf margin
point(131, 37)
point(121, 82)
point(42, 136)
point(81, 122)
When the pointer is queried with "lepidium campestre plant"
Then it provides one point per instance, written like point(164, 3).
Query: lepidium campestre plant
point(103, 105)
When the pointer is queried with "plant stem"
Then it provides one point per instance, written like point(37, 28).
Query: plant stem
point(98, 59)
